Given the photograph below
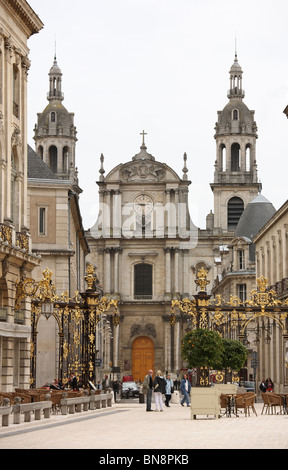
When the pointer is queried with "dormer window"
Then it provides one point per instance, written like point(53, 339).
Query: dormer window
point(53, 117)
point(235, 115)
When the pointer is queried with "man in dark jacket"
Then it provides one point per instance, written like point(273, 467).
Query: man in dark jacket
point(148, 388)
point(263, 386)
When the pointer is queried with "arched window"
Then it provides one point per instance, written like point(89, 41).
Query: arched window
point(40, 151)
point(235, 115)
point(65, 159)
point(143, 275)
point(13, 186)
point(235, 157)
point(16, 91)
point(223, 157)
point(247, 157)
point(235, 209)
point(53, 156)
point(53, 117)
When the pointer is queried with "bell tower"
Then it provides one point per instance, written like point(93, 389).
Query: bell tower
point(55, 132)
point(235, 176)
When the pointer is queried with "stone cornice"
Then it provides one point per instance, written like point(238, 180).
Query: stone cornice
point(24, 14)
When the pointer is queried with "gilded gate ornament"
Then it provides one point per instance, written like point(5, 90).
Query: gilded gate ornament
point(233, 317)
point(76, 317)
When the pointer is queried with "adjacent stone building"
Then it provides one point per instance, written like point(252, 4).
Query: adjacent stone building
point(54, 214)
point(271, 252)
point(18, 22)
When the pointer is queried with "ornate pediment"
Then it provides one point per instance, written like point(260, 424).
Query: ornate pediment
point(143, 170)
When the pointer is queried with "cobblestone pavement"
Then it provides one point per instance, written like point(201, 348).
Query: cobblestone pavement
point(129, 426)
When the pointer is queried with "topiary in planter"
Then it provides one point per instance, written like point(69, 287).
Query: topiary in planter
point(202, 349)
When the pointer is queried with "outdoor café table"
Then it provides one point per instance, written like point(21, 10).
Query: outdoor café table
point(231, 405)
point(284, 395)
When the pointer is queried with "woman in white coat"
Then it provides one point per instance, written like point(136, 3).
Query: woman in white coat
point(159, 391)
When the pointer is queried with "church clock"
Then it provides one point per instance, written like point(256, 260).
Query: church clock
point(143, 204)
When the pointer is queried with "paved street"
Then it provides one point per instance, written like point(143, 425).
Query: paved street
point(128, 426)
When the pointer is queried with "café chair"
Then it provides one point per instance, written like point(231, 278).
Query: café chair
point(266, 404)
point(274, 401)
point(245, 402)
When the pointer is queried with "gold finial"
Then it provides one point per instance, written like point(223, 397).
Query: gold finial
point(90, 277)
point(262, 283)
point(202, 280)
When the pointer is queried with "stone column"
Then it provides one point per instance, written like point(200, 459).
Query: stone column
point(115, 345)
point(107, 270)
point(185, 273)
point(116, 269)
point(107, 214)
point(167, 346)
point(167, 272)
point(285, 250)
point(117, 214)
point(176, 271)
point(176, 345)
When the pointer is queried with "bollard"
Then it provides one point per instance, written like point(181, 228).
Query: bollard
point(5, 417)
point(16, 410)
point(86, 404)
point(92, 400)
point(47, 410)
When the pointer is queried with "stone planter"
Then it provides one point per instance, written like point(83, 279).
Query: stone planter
point(226, 388)
point(205, 401)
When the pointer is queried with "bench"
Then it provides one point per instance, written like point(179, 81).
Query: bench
point(28, 408)
point(74, 404)
point(92, 402)
point(5, 411)
point(68, 405)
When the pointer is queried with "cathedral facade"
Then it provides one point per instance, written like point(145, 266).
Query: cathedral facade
point(146, 249)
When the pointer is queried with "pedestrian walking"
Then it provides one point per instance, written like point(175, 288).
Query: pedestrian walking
point(169, 390)
point(74, 382)
point(105, 383)
point(269, 385)
point(159, 390)
point(263, 386)
point(115, 389)
point(148, 389)
point(185, 388)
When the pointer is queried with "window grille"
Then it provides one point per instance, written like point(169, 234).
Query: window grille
point(143, 281)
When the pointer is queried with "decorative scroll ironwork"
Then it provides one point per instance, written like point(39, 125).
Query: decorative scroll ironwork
point(232, 318)
point(22, 241)
point(215, 313)
point(6, 234)
point(76, 317)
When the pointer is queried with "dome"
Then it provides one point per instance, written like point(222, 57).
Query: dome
point(246, 116)
point(55, 69)
point(236, 68)
point(254, 217)
point(63, 118)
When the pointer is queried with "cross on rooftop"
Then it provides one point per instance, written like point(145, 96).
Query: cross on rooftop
point(143, 134)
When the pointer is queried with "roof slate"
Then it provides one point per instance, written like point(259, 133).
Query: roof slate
point(37, 168)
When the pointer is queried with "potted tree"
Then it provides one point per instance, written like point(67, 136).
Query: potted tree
point(203, 349)
point(233, 357)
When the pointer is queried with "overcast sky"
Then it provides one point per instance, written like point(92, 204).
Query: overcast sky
point(163, 66)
